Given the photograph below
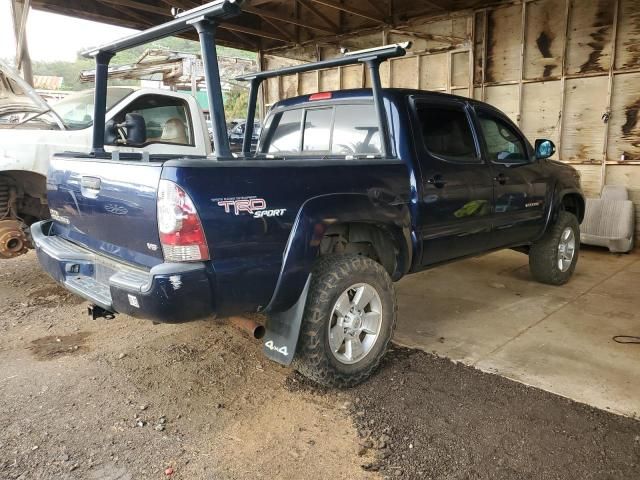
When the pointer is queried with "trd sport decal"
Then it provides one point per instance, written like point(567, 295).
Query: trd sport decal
point(256, 207)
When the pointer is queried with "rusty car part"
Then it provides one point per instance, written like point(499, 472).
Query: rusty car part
point(252, 327)
point(13, 239)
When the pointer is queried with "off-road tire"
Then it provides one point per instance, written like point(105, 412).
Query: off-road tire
point(331, 276)
point(543, 255)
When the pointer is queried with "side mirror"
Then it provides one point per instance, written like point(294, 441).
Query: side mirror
point(133, 131)
point(544, 148)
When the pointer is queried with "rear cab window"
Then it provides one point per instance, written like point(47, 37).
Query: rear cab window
point(334, 130)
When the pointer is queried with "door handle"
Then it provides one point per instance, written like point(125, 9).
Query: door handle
point(501, 178)
point(437, 181)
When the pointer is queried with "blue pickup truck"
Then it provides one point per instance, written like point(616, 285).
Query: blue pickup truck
point(347, 192)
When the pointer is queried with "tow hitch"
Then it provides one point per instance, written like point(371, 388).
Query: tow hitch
point(95, 312)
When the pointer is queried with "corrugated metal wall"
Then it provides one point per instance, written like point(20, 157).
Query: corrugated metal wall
point(568, 70)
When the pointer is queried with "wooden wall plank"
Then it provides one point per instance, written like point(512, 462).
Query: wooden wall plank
point(590, 36)
point(460, 69)
point(433, 72)
point(590, 179)
point(289, 86)
point(308, 83)
point(624, 123)
point(478, 47)
point(583, 128)
point(329, 79)
point(403, 73)
point(541, 110)
point(544, 39)
point(504, 29)
point(628, 41)
point(352, 77)
point(504, 97)
point(462, 92)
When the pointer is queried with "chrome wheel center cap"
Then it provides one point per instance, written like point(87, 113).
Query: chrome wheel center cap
point(352, 320)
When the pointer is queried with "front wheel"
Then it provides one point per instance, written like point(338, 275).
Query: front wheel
point(348, 321)
point(553, 258)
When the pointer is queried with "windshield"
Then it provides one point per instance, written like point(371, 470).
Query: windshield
point(76, 111)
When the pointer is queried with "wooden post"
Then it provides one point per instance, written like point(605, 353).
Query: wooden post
point(563, 74)
point(523, 40)
point(603, 167)
point(485, 27)
point(20, 12)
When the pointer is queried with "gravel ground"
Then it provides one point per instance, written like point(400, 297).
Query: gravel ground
point(432, 419)
point(125, 399)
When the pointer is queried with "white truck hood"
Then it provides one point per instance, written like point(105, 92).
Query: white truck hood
point(16, 95)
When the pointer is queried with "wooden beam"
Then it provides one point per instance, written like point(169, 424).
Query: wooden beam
point(253, 31)
point(145, 7)
point(184, 4)
point(292, 20)
point(280, 29)
point(245, 40)
point(313, 9)
point(350, 10)
point(376, 6)
point(430, 36)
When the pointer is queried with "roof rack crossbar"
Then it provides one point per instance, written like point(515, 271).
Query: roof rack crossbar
point(371, 57)
point(216, 10)
point(350, 58)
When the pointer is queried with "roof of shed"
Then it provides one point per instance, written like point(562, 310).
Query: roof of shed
point(268, 24)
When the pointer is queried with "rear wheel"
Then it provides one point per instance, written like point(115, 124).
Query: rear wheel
point(348, 322)
point(553, 258)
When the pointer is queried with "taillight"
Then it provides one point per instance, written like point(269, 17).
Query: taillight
point(181, 233)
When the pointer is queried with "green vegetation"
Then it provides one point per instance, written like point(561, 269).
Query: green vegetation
point(236, 103)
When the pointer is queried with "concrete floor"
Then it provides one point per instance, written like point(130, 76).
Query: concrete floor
point(488, 312)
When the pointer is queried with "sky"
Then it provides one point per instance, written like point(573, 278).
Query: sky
point(54, 37)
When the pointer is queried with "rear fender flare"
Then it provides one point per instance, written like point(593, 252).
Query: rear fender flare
point(286, 308)
point(312, 221)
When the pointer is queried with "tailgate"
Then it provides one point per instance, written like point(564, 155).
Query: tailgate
point(107, 206)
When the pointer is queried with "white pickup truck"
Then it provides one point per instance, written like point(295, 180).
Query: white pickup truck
point(31, 131)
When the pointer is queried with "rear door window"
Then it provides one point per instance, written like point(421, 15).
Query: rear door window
point(446, 132)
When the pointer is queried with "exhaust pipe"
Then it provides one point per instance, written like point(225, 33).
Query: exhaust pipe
point(252, 327)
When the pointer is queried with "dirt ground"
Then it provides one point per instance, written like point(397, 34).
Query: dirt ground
point(125, 399)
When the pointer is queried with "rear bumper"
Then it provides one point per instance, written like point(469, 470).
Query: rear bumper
point(168, 293)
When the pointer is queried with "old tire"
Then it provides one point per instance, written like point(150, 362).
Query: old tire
point(553, 258)
point(338, 303)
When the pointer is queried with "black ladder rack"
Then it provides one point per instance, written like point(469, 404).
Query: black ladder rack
point(372, 57)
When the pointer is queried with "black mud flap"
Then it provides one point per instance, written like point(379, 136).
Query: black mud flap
point(283, 330)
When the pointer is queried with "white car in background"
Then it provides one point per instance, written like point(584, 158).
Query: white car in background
point(31, 131)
